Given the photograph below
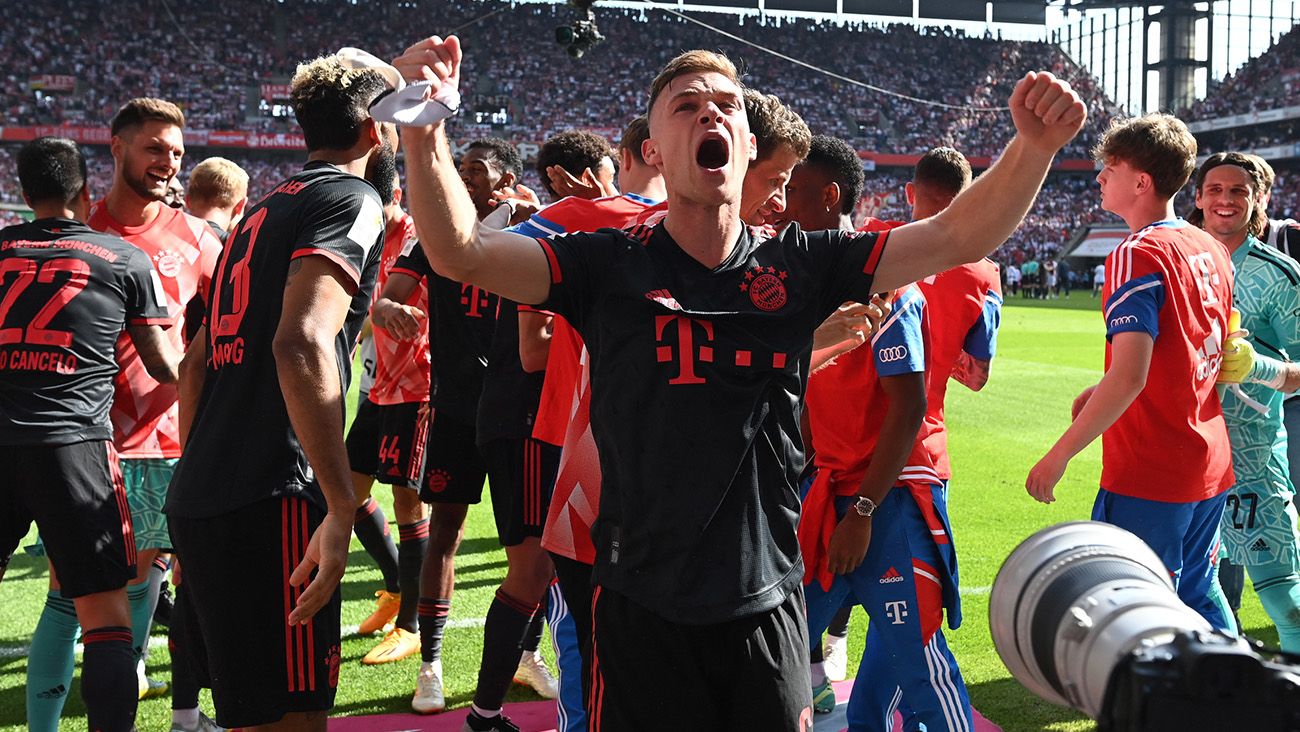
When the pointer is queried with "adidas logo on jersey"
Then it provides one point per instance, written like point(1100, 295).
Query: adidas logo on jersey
point(891, 576)
point(1259, 546)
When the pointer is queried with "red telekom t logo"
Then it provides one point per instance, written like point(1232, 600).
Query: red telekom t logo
point(474, 299)
point(686, 346)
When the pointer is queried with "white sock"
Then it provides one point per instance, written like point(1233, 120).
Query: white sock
point(185, 717)
point(817, 673)
point(485, 713)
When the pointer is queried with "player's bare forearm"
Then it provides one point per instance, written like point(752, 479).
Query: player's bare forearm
point(442, 209)
point(316, 303)
point(456, 244)
point(160, 358)
point(193, 372)
point(971, 372)
point(898, 431)
point(534, 340)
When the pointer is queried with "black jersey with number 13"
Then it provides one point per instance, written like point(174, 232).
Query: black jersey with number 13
point(241, 447)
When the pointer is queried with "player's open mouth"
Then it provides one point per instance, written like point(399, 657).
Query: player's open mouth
point(1226, 213)
point(158, 179)
point(712, 154)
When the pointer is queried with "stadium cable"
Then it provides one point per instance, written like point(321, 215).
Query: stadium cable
point(827, 72)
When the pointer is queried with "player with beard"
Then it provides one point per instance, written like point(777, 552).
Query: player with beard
point(263, 539)
point(700, 336)
point(147, 147)
point(460, 320)
point(73, 294)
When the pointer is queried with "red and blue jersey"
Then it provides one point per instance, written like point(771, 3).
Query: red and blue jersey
point(965, 307)
point(1173, 282)
point(846, 410)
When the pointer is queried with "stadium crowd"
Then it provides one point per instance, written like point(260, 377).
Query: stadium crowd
point(452, 389)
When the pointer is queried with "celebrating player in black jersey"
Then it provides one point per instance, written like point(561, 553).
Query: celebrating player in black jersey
point(262, 498)
point(66, 294)
point(700, 335)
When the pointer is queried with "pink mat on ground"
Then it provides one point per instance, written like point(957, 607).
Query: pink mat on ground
point(539, 716)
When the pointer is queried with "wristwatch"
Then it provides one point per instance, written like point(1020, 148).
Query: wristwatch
point(864, 506)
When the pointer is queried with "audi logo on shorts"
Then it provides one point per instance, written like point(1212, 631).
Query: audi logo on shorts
point(892, 354)
point(1123, 320)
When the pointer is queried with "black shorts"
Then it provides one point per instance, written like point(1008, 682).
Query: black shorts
point(76, 496)
point(403, 438)
point(235, 568)
point(362, 442)
point(521, 476)
point(745, 674)
point(454, 469)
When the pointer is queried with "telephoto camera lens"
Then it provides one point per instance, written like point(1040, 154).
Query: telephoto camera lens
point(1073, 601)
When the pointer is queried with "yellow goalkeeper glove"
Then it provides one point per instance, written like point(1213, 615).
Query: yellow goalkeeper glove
point(1238, 354)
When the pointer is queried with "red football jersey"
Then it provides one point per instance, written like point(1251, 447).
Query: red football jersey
point(846, 404)
point(964, 304)
point(563, 414)
point(1174, 282)
point(401, 367)
point(184, 252)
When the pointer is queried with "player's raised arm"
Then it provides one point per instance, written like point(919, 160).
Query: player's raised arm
point(1047, 114)
point(456, 244)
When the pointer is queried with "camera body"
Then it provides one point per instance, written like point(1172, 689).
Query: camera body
point(1201, 680)
point(579, 36)
point(1085, 615)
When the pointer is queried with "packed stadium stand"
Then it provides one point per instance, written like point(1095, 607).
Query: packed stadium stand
point(227, 64)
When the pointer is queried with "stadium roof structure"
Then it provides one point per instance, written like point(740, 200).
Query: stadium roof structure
point(997, 11)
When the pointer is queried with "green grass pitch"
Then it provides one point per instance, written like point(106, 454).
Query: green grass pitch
point(1047, 352)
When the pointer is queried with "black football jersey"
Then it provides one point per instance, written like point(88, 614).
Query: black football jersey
point(66, 294)
point(461, 321)
point(242, 447)
point(508, 406)
point(697, 380)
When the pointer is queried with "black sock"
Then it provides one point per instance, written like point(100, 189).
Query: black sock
point(503, 633)
point(185, 682)
point(371, 527)
point(410, 559)
point(108, 682)
point(533, 635)
point(433, 614)
point(840, 623)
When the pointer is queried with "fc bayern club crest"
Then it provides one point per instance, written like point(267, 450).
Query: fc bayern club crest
point(168, 263)
point(766, 287)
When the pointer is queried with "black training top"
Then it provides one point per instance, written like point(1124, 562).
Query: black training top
point(697, 377)
point(508, 406)
point(461, 321)
point(241, 447)
point(66, 293)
